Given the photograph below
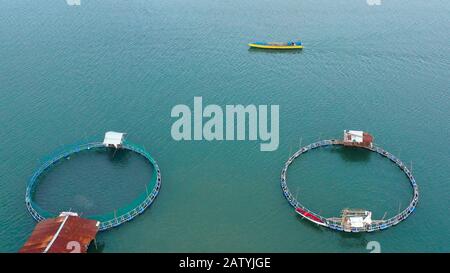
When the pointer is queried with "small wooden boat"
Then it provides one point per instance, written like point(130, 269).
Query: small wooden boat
point(311, 217)
point(288, 45)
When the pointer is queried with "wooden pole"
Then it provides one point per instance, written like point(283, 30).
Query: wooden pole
point(385, 213)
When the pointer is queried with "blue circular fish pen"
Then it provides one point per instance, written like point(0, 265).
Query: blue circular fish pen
point(338, 223)
point(109, 220)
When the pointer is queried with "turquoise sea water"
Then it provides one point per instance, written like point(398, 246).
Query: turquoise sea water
point(68, 73)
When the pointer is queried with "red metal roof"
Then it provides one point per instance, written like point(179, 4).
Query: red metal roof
point(63, 234)
point(367, 138)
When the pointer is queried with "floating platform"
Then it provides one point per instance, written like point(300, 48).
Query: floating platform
point(67, 233)
point(351, 220)
point(113, 140)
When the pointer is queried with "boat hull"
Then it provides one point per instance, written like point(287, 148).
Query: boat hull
point(275, 46)
point(310, 217)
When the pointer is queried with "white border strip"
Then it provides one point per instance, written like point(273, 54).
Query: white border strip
point(56, 235)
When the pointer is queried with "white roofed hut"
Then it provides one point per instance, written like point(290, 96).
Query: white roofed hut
point(358, 138)
point(114, 139)
point(356, 218)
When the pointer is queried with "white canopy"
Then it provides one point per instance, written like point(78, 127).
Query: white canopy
point(353, 136)
point(356, 222)
point(113, 138)
point(368, 219)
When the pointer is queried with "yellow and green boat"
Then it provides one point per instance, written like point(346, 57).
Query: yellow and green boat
point(275, 45)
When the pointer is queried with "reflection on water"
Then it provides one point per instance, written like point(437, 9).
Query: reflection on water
point(353, 154)
point(83, 202)
point(309, 224)
point(353, 240)
point(274, 51)
point(96, 247)
point(118, 156)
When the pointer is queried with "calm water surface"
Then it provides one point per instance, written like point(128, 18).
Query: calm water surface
point(68, 73)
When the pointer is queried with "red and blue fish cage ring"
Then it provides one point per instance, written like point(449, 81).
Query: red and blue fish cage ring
point(108, 220)
point(341, 224)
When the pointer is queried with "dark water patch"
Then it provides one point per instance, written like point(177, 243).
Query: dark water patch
point(93, 182)
point(327, 180)
point(353, 154)
point(96, 247)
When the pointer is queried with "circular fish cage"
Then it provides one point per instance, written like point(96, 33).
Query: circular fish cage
point(109, 220)
point(341, 224)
